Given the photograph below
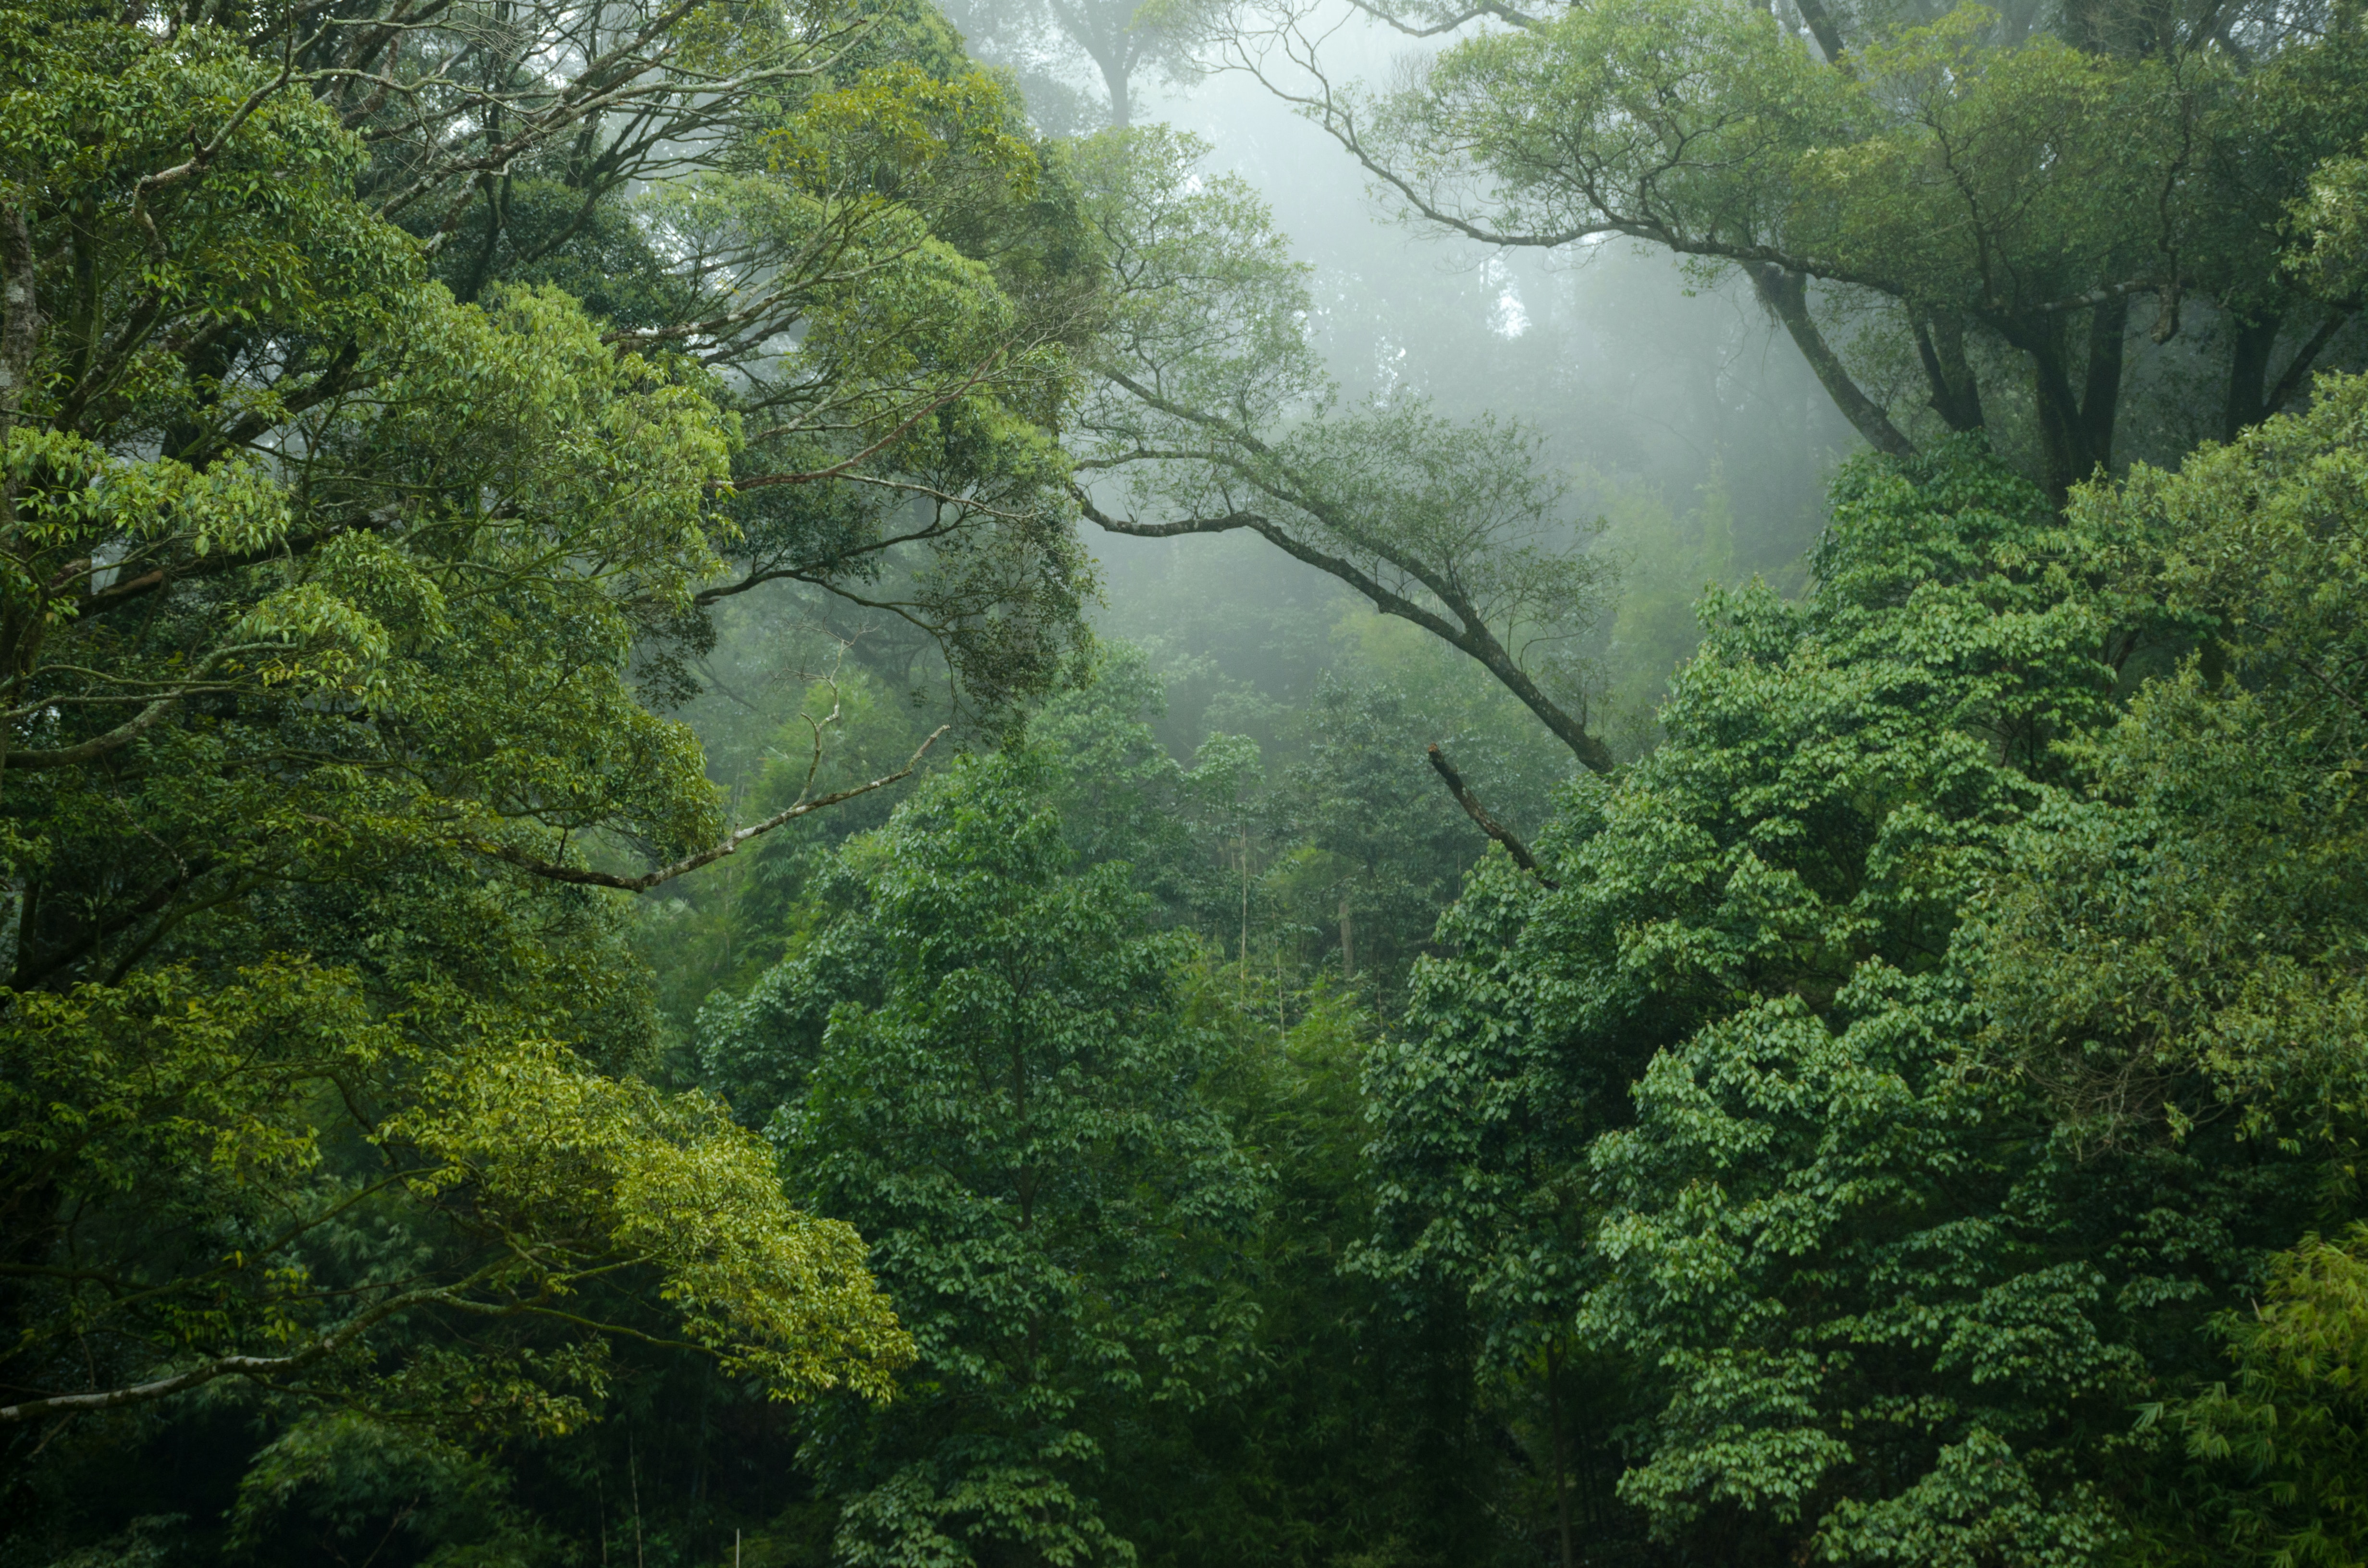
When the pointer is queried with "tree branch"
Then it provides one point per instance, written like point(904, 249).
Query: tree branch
point(2094, 297)
point(708, 856)
point(1940, 345)
point(1488, 824)
point(224, 1366)
point(91, 750)
point(1471, 638)
point(762, 482)
point(2299, 367)
point(1503, 13)
point(1786, 293)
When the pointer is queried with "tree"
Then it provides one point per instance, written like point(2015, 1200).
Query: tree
point(1041, 40)
point(1948, 194)
point(1003, 1093)
point(2174, 960)
point(826, 208)
point(1380, 848)
point(1360, 1433)
point(1210, 407)
point(1735, 920)
point(888, 282)
point(1972, 1071)
point(296, 1006)
point(334, 614)
point(2281, 1451)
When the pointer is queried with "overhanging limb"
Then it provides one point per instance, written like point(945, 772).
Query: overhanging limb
point(1488, 824)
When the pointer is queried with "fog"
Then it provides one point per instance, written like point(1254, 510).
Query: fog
point(1695, 441)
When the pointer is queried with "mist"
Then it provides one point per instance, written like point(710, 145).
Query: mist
point(1193, 784)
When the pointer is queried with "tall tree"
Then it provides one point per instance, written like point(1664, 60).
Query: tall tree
point(1905, 1063)
point(2174, 959)
point(335, 620)
point(988, 1071)
point(1119, 40)
point(1988, 203)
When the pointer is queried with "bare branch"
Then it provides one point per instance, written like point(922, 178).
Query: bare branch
point(1488, 824)
point(1494, 8)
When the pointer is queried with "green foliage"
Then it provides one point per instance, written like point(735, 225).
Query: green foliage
point(1888, 1228)
point(2287, 1439)
point(2332, 218)
point(337, 612)
point(1004, 1096)
point(405, 643)
point(1879, 723)
point(2177, 959)
point(1374, 832)
point(1666, 559)
point(346, 1478)
point(1357, 1437)
point(1979, 202)
point(2183, 947)
point(893, 279)
point(1855, 1142)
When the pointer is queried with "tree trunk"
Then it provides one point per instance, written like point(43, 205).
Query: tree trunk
point(1787, 294)
point(1940, 345)
point(2059, 427)
point(1829, 43)
point(1243, 988)
point(1561, 1455)
point(1117, 77)
point(2067, 455)
point(2252, 396)
point(2249, 372)
point(2101, 397)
